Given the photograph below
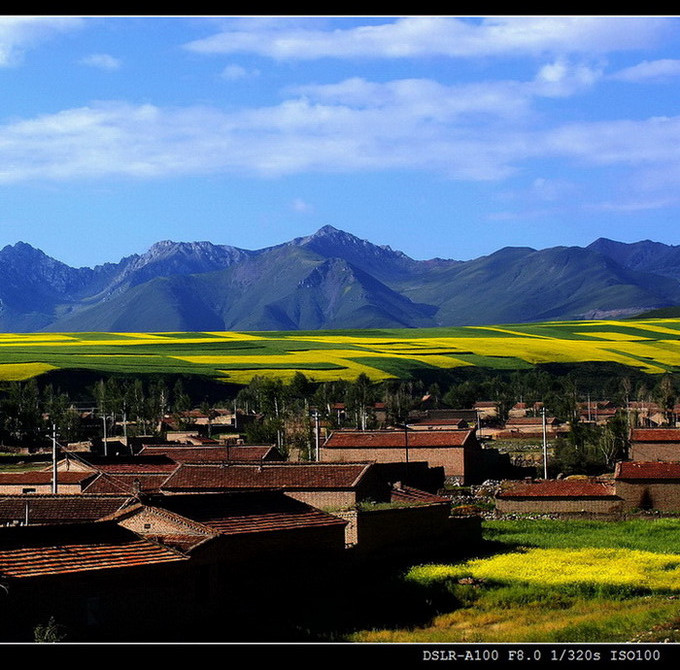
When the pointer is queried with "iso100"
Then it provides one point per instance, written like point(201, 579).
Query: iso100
point(635, 655)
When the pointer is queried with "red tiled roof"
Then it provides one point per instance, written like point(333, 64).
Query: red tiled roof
point(155, 463)
point(252, 512)
point(563, 488)
point(438, 422)
point(271, 475)
point(122, 483)
point(39, 551)
point(58, 509)
point(647, 470)
point(212, 454)
point(377, 439)
point(411, 495)
point(655, 435)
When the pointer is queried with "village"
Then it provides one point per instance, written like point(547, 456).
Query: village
point(194, 531)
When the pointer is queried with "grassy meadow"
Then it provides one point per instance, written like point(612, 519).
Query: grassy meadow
point(650, 345)
point(554, 581)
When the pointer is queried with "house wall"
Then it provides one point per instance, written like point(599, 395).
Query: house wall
point(408, 528)
point(101, 604)
point(18, 489)
point(653, 451)
point(325, 499)
point(664, 496)
point(150, 522)
point(546, 505)
point(72, 465)
point(452, 459)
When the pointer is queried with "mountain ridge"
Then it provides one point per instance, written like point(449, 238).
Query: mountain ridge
point(331, 279)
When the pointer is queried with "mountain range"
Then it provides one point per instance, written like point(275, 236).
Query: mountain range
point(329, 280)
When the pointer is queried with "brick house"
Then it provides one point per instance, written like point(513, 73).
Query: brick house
point(120, 474)
point(635, 485)
point(324, 485)
point(457, 451)
point(655, 444)
point(164, 567)
point(97, 579)
point(647, 485)
point(248, 525)
point(521, 409)
point(568, 496)
point(40, 481)
point(486, 409)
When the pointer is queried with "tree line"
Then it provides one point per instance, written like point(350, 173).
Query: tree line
point(137, 405)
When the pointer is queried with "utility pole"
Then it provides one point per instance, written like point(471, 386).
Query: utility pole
point(545, 447)
point(406, 444)
point(54, 458)
point(316, 433)
point(106, 448)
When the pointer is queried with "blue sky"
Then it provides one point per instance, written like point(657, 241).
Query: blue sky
point(440, 136)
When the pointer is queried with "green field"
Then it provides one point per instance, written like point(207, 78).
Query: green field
point(555, 581)
point(650, 345)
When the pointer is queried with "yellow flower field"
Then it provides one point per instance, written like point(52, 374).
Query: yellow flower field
point(15, 372)
point(652, 346)
point(560, 567)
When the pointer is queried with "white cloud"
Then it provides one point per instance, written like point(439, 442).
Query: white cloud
point(299, 205)
point(234, 72)
point(633, 205)
point(562, 78)
point(425, 98)
point(654, 71)
point(624, 142)
point(439, 36)
point(102, 61)
point(19, 33)
point(469, 132)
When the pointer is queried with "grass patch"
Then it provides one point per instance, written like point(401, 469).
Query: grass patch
point(578, 620)
point(659, 535)
point(553, 581)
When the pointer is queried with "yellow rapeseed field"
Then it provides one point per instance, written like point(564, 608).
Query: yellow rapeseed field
point(14, 372)
point(652, 346)
point(611, 567)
